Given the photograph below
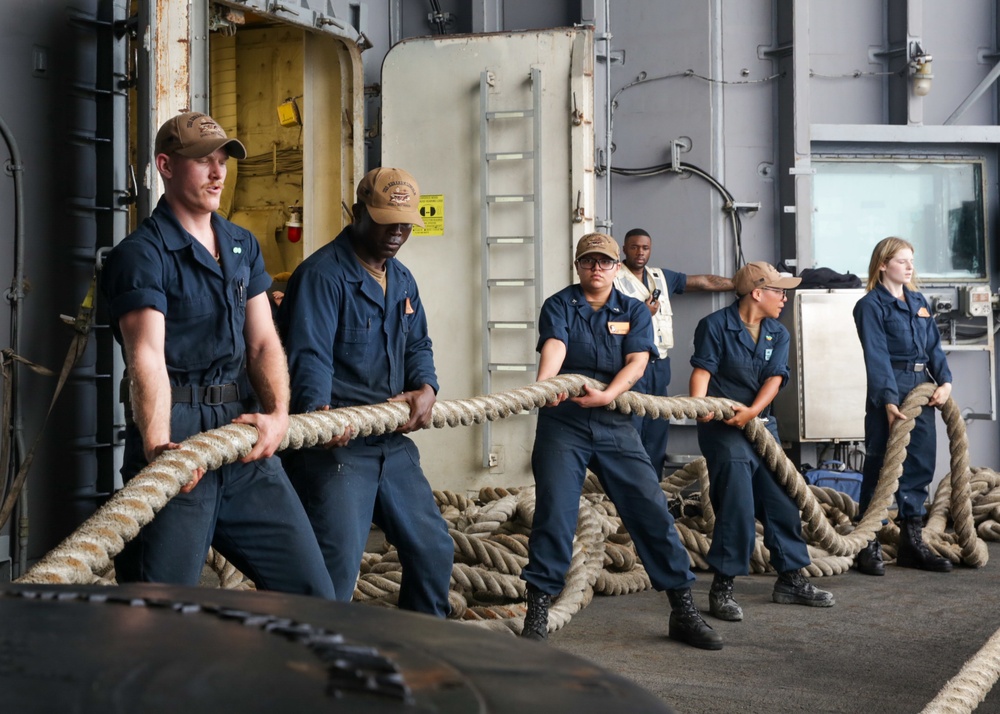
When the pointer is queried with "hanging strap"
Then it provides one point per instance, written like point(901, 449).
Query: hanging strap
point(81, 326)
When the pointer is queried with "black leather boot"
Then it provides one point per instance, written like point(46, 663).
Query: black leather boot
point(536, 621)
point(913, 552)
point(686, 624)
point(869, 560)
point(794, 588)
point(720, 600)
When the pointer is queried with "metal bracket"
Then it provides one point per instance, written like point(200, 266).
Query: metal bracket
point(774, 52)
point(576, 114)
point(877, 53)
point(322, 20)
point(682, 144)
point(276, 7)
point(578, 213)
point(617, 57)
point(442, 19)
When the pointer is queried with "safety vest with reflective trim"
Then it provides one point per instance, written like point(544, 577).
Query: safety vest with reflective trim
point(663, 322)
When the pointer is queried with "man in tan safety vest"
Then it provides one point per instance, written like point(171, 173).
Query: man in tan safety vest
point(654, 286)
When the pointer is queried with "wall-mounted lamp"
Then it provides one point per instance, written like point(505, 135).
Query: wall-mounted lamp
point(293, 226)
point(920, 64)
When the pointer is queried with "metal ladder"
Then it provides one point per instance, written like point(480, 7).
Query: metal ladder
point(531, 279)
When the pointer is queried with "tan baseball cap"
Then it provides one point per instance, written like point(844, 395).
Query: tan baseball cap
point(195, 135)
point(761, 275)
point(391, 195)
point(597, 243)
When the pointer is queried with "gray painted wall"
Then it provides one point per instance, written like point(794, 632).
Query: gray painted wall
point(45, 113)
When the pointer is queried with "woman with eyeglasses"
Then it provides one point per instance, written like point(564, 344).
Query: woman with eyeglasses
point(902, 348)
point(741, 353)
point(594, 330)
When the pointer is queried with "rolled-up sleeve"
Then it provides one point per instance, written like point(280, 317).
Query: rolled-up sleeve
point(132, 279)
point(676, 282)
point(640, 334)
point(552, 323)
point(707, 346)
point(777, 365)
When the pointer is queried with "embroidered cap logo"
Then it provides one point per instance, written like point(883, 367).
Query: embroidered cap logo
point(399, 197)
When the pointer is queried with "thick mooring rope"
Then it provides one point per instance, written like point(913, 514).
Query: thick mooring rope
point(88, 551)
point(491, 534)
point(967, 689)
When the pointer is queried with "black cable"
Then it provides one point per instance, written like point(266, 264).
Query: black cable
point(728, 197)
point(438, 17)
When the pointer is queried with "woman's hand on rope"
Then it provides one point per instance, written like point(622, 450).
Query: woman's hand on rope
point(742, 415)
point(421, 402)
point(940, 396)
point(558, 399)
point(894, 415)
point(155, 451)
point(593, 398)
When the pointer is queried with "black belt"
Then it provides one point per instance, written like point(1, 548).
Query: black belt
point(212, 395)
point(910, 366)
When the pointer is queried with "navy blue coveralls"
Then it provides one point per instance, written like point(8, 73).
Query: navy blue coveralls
point(569, 439)
point(349, 344)
point(741, 486)
point(248, 512)
point(655, 432)
point(897, 336)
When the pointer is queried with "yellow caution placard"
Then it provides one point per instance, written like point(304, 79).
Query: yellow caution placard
point(432, 211)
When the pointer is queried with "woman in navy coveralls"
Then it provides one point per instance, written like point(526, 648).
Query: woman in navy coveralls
point(594, 330)
point(902, 349)
point(741, 353)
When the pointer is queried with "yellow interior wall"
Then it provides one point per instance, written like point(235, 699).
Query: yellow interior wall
point(252, 73)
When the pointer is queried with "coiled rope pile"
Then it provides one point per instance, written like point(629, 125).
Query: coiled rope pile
point(491, 533)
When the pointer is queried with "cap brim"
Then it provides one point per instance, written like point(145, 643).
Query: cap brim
point(606, 253)
point(785, 282)
point(198, 150)
point(388, 216)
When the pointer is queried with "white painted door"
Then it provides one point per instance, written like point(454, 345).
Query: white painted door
point(431, 127)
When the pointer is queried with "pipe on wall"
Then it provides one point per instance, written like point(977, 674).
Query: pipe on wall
point(15, 295)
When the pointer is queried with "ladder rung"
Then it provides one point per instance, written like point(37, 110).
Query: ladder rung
point(511, 114)
point(512, 367)
point(510, 240)
point(510, 282)
point(510, 325)
point(511, 198)
point(510, 155)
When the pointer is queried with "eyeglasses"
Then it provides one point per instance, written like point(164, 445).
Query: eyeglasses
point(603, 263)
point(776, 290)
